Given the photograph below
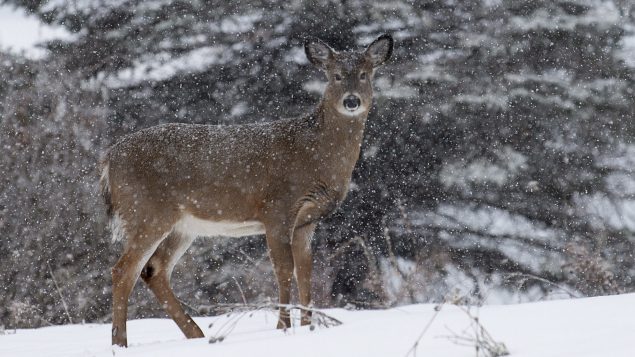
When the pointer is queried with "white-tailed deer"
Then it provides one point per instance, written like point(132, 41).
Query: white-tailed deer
point(166, 185)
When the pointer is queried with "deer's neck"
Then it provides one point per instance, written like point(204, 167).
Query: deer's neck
point(339, 138)
point(340, 130)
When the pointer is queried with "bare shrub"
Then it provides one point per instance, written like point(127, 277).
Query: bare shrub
point(589, 272)
point(478, 337)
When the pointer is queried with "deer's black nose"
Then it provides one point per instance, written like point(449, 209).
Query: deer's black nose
point(352, 102)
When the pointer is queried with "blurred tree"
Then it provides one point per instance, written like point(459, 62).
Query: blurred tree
point(50, 218)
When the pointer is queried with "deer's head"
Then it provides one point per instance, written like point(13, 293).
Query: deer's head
point(349, 73)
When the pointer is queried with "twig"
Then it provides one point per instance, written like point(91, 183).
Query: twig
point(374, 276)
point(526, 277)
point(407, 222)
point(4, 331)
point(481, 338)
point(16, 308)
point(59, 291)
point(374, 273)
point(236, 312)
point(393, 260)
point(413, 349)
point(188, 306)
point(242, 293)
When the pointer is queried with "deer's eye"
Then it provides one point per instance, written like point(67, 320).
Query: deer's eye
point(362, 76)
point(338, 77)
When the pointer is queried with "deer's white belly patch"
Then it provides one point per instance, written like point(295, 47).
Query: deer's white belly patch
point(196, 227)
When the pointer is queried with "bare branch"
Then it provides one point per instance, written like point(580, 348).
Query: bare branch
point(59, 291)
point(483, 342)
point(235, 312)
point(526, 277)
point(413, 350)
point(242, 293)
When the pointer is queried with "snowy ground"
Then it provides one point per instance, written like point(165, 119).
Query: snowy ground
point(602, 326)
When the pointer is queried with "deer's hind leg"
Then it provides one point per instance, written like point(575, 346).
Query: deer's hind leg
point(141, 243)
point(156, 274)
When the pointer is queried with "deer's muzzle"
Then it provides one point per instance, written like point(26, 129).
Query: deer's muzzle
point(352, 102)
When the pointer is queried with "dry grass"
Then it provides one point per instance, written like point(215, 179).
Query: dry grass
point(236, 312)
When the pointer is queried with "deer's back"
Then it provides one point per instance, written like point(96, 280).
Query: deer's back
point(203, 168)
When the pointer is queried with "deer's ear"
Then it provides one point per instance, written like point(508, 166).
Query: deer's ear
point(318, 52)
point(380, 50)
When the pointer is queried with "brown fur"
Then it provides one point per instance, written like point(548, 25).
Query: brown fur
point(286, 174)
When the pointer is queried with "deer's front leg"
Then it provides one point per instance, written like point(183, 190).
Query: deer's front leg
point(279, 243)
point(303, 262)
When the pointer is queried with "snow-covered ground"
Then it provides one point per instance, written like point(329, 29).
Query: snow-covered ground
point(602, 326)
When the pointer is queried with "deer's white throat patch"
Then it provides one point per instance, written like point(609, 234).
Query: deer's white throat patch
point(196, 227)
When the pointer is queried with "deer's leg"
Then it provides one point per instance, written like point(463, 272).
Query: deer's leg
point(303, 262)
point(156, 274)
point(279, 244)
point(125, 273)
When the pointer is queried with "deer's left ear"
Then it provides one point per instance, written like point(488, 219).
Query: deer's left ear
point(380, 50)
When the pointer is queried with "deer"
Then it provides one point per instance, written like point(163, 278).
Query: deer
point(166, 185)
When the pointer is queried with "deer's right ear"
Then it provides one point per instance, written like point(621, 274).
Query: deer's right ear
point(318, 52)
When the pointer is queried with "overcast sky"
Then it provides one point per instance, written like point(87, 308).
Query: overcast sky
point(21, 33)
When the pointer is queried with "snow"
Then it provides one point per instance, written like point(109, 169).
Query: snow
point(627, 52)
point(600, 326)
point(604, 15)
point(462, 174)
point(384, 87)
point(491, 220)
point(605, 210)
point(164, 66)
point(21, 33)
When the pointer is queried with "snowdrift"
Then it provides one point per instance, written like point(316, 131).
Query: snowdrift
point(601, 326)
